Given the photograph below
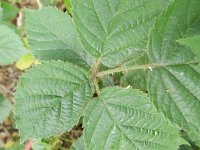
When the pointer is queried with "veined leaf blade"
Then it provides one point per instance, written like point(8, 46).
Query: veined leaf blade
point(50, 99)
point(193, 43)
point(54, 38)
point(123, 119)
point(174, 88)
point(11, 46)
point(115, 29)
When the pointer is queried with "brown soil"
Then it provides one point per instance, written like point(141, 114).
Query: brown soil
point(8, 80)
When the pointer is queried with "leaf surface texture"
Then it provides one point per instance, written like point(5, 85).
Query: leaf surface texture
point(51, 98)
point(125, 119)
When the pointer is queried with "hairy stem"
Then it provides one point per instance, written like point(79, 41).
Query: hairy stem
point(139, 67)
point(123, 69)
point(96, 86)
point(94, 71)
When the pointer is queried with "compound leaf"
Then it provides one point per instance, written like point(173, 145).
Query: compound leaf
point(174, 82)
point(115, 29)
point(123, 119)
point(11, 46)
point(50, 99)
point(52, 36)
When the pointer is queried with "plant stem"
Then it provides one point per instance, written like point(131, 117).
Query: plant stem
point(67, 140)
point(96, 86)
point(96, 65)
point(139, 67)
point(94, 70)
point(123, 69)
point(39, 3)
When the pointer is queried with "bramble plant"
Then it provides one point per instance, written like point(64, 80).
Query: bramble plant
point(146, 44)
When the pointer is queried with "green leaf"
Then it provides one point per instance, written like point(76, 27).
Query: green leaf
point(185, 147)
point(5, 108)
point(115, 29)
point(1, 13)
point(50, 99)
point(11, 47)
point(123, 119)
point(193, 43)
point(9, 11)
point(185, 136)
point(108, 80)
point(79, 144)
point(174, 80)
point(68, 5)
point(54, 38)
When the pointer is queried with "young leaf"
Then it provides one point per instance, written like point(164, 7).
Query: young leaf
point(11, 47)
point(174, 81)
point(54, 38)
point(50, 99)
point(5, 108)
point(194, 43)
point(25, 62)
point(115, 29)
point(123, 119)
